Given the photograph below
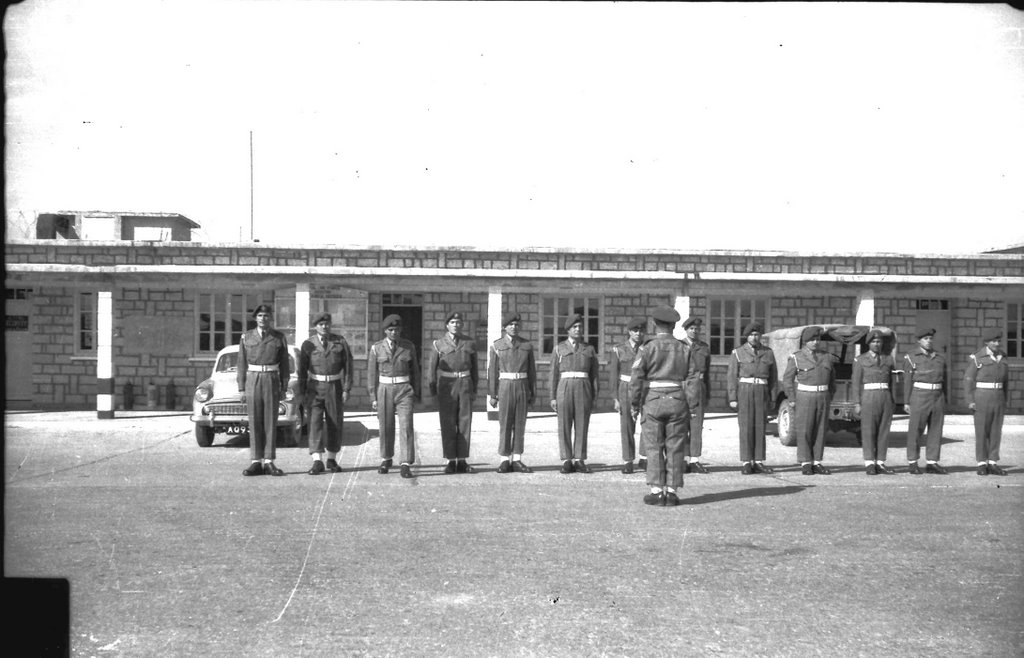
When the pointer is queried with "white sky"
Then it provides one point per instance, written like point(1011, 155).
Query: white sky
point(795, 126)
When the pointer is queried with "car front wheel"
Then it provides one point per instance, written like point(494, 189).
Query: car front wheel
point(204, 436)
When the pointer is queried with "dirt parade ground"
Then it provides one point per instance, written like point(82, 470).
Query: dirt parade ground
point(168, 550)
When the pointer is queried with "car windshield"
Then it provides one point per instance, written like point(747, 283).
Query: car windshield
point(228, 362)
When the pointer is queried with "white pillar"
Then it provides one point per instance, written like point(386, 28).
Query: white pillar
point(866, 308)
point(494, 328)
point(301, 313)
point(104, 354)
point(682, 307)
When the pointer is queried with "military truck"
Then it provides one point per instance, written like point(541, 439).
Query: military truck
point(846, 342)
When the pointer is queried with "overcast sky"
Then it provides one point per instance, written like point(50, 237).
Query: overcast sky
point(793, 126)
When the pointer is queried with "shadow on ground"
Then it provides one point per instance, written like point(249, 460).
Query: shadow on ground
point(755, 492)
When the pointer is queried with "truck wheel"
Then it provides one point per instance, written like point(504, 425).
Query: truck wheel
point(204, 436)
point(786, 426)
point(286, 437)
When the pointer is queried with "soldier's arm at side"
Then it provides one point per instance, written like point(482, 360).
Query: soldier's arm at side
point(414, 374)
point(242, 366)
point(789, 378)
point(531, 376)
point(492, 372)
point(732, 379)
point(474, 373)
point(432, 362)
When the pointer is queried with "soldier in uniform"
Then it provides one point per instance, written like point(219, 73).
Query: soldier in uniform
point(751, 381)
point(262, 383)
point(620, 364)
point(325, 381)
point(658, 388)
point(985, 387)
point(810, 381)
point(925, 394)
point(393, 378)
point(698, 390)
point(871, 392)
point(512, 385)
point(452, 376)
point(573, 385)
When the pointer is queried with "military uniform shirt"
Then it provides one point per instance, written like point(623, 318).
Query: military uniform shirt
point(871, 369)
point(271, 349)
point(511, 354)
point(385, 361)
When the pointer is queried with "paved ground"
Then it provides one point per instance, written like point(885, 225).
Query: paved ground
point(170, 551)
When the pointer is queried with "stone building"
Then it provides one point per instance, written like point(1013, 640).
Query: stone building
point(86, 315)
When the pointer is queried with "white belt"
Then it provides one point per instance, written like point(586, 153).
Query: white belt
point(928, 387)
point(625, 378)
point(664, 383)
point(811, 389)
point(989, 384)
point(876, 386)
point(574, 373)
point(453, 375)
point(512, 375)
point(754, 380)
point(393, 380)
point(257, 368)
point(326, 378)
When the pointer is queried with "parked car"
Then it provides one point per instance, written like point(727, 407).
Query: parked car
point(846, 342)
point(217, 407)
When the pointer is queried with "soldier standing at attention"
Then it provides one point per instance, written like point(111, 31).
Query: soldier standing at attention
point(262, 377)
point(393, 377)
point(810, 380)
point(620, 364)
point(512, 385)
point(871, 392)
point(925, 394)
point(985, 387)
point(452, 376)
point(658, 388)
point(573, 385)
point(751, 382)
point(325, 379)
point(698, 390)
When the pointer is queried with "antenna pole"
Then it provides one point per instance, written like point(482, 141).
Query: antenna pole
point(252, 233)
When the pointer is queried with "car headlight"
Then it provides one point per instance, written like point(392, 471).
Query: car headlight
point(203, 394)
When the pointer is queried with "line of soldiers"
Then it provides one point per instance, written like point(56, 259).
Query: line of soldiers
point(665, 385)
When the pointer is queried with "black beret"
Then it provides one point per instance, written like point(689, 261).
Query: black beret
point(454, 315)
point(509, 318)
point(572, 319)
point(391, 321)
point(993, 334)
point(752, 328)
point(810, 333)
point(665, 315)
point(637, 323)
point(873, 334)
point(921, 333)
point(692, 320)
point(323, 317)
point(263, 308)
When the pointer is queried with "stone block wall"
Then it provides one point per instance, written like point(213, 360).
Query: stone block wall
point(61, 378)
point(170, 366)
point(64, 379)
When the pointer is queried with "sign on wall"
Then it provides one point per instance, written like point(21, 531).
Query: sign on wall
point(349, 314)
